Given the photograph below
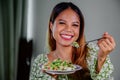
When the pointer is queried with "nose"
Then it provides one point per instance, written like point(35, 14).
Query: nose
point(68, 28)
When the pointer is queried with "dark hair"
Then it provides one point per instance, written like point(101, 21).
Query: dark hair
point(63, 6)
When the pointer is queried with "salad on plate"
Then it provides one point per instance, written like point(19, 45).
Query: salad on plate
point(59, 66)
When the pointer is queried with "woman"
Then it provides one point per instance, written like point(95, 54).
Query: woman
point(66, 26)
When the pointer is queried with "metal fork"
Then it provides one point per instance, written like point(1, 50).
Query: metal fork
point(90, 41)
point(94, 40)
point(75, 44)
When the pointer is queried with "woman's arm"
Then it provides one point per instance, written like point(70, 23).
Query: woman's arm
point(106, 45)
point(36, 73)
point(106, 70)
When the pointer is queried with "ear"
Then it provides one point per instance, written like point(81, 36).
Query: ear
point(51, 26)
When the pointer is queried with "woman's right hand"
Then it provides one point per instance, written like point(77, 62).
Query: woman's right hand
point(52, 75)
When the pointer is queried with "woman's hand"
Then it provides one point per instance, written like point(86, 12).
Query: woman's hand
point(106, 45)
point(52, 75)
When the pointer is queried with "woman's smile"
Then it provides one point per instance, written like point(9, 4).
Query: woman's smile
point(66, 36)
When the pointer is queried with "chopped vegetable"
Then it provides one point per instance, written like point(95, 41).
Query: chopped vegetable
point(75, 44)
point(60, 65)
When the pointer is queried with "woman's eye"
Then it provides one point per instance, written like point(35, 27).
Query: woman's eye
point(76, 25)
point(61, 23)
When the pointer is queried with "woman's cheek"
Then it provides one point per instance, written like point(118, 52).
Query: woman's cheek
point(77, 34)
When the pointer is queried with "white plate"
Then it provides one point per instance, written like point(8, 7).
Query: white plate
point(64, 72)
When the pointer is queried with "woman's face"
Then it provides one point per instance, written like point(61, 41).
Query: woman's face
point(65, 28)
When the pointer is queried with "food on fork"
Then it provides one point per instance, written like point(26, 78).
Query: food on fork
point(75, 44)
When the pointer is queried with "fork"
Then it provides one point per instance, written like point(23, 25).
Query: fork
point(75, 44)
point(94, 40)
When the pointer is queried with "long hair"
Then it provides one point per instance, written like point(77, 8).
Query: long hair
point(78, 54)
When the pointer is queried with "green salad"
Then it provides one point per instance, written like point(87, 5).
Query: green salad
point(75, 44)
point(59, 65)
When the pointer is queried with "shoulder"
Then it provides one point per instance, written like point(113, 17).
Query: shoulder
point(36, 72)
point(41, 58)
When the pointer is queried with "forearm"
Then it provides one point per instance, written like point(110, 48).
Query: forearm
point(100, 62)
point(103, 66)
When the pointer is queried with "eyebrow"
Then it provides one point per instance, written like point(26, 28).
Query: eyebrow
point(72, 22)
point(62, 20)
point(77, 22)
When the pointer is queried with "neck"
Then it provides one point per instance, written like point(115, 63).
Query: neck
point(64, 53)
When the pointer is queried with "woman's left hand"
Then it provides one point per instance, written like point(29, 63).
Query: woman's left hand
point(106, 45)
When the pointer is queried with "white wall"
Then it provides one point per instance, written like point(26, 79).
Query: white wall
point(100, 16)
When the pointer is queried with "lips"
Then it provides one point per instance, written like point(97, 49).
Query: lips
point(66, 36)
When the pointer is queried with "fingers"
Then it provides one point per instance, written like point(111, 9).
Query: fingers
point(53, 75)
point(109, 44)
point(109, 37)
point(106, 44)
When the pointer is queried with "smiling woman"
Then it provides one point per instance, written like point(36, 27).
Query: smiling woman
point(66, 26)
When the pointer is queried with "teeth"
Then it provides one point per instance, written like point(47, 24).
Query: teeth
point(66, 36)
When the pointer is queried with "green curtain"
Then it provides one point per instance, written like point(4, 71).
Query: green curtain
point(13, 16)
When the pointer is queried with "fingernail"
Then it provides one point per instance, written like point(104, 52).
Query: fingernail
point(106, 32)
